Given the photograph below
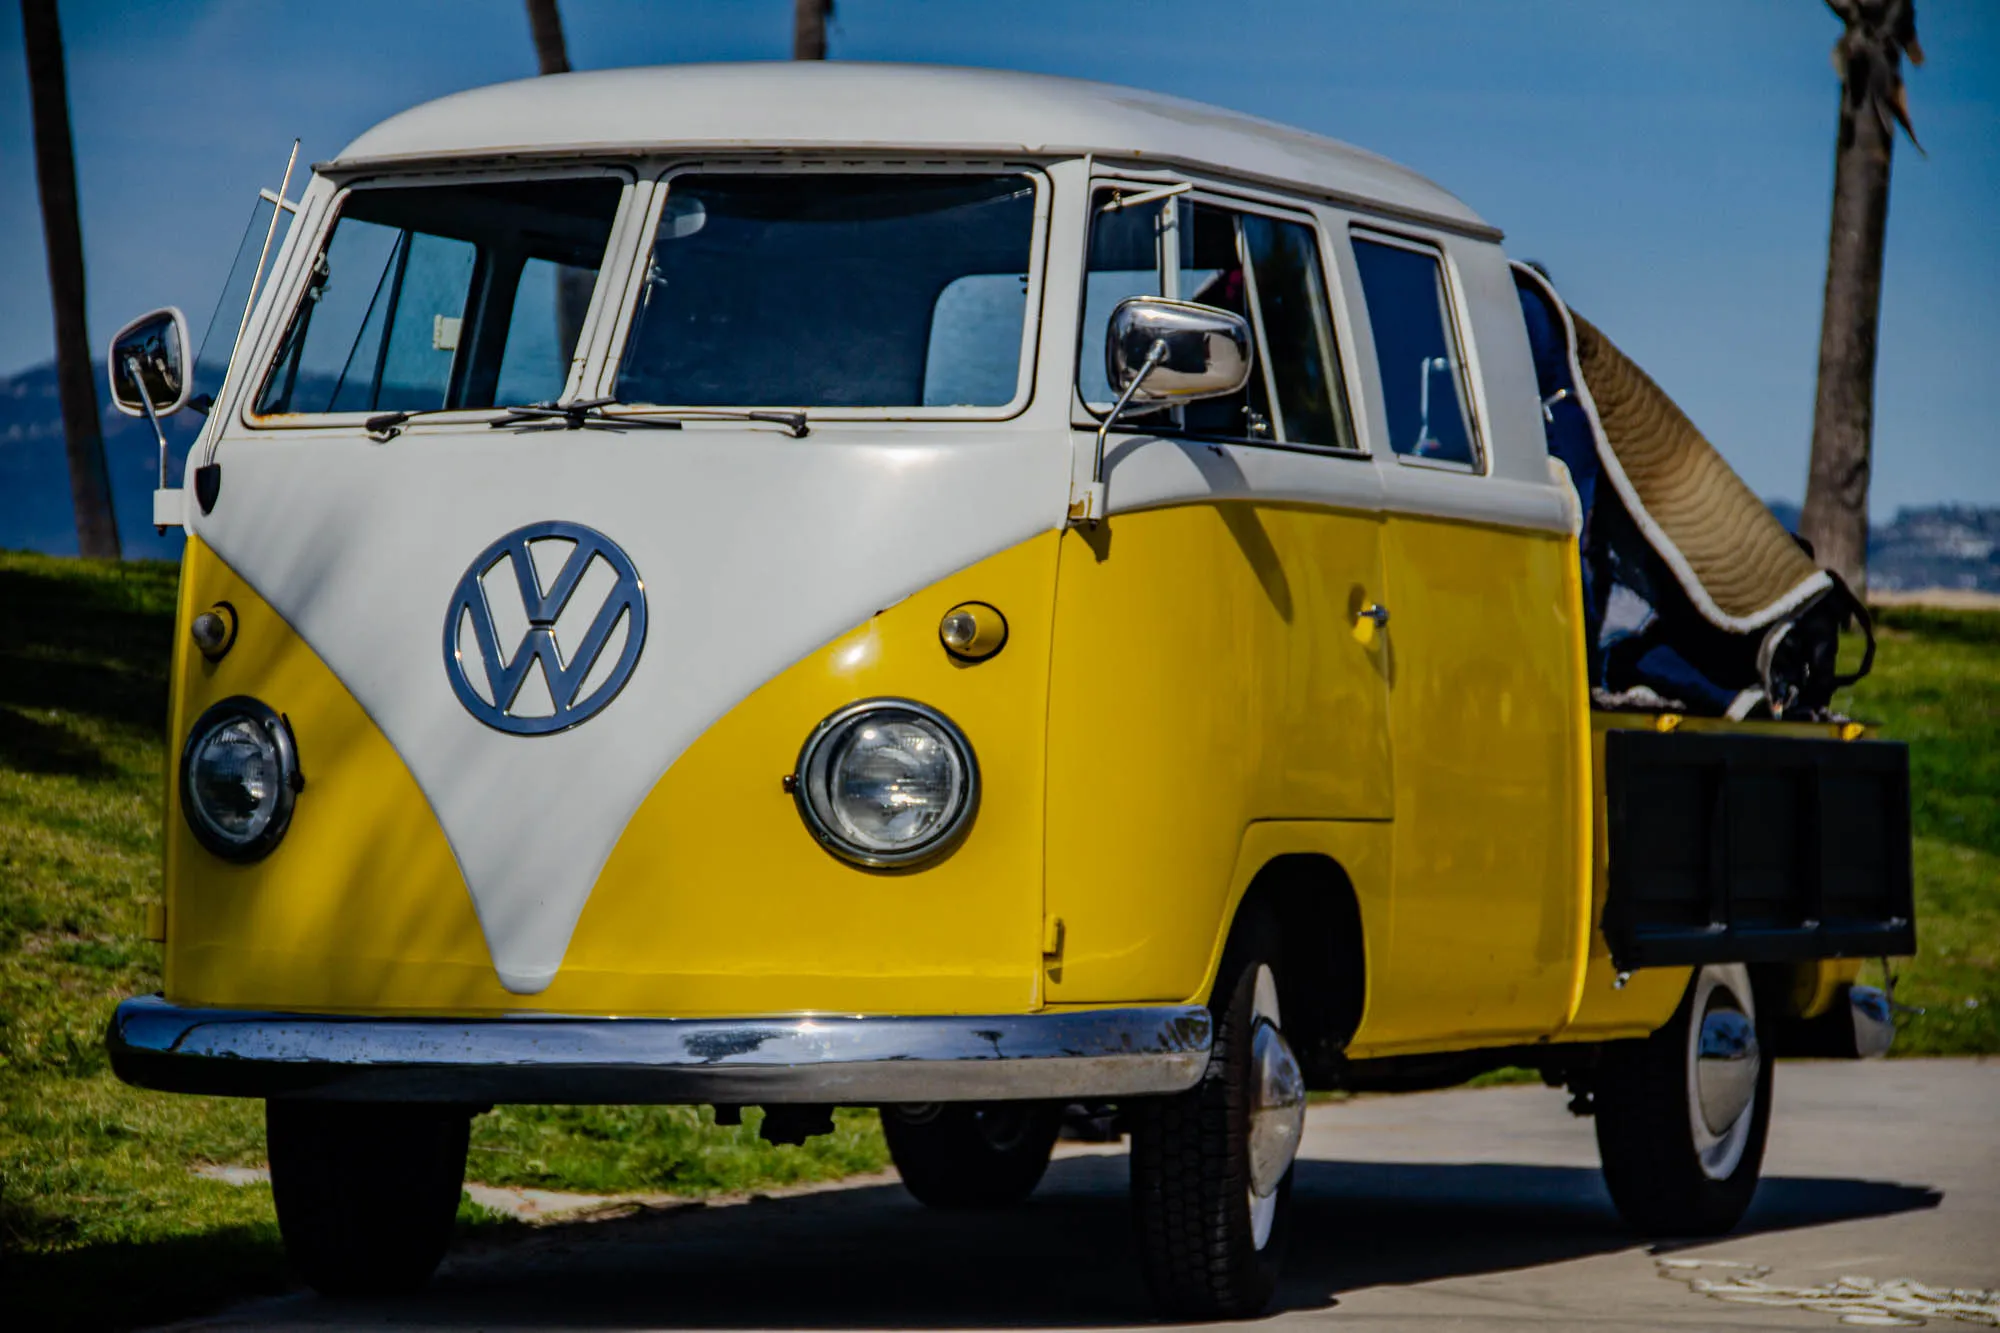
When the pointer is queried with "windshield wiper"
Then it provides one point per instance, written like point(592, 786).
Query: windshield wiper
point(573, 416)
point(584, 412)
point(591, 412)
point(387, 426)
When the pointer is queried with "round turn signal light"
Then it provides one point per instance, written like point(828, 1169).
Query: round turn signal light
point(214, 631)
point(973, 631)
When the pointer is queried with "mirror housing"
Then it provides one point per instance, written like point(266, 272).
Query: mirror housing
point(156, 346)
point(1207, 350)
point(1160, 351)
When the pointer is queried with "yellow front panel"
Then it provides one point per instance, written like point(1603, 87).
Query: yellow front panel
point(361, 905)
point(731, 907)
point(1207, 675)
point(716, 900)
point(1486, 713)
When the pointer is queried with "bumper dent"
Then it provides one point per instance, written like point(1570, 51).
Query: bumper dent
point(845, 1060)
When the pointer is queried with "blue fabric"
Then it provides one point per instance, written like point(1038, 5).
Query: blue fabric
point(1571, 440)
point(1663, 670)
point(1563, 421)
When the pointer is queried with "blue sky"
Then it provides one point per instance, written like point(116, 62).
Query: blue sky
point(1671, 163)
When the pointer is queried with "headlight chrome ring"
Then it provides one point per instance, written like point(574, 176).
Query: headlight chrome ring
point(239, 778)
point(887, 783)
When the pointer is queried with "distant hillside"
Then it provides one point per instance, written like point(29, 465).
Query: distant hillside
point(35, 512)
point(1931, 546)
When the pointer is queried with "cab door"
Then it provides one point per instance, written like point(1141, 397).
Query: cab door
point(1206, 668)
point(1487, 698)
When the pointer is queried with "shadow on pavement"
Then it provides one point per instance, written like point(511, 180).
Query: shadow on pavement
point(873, 1257)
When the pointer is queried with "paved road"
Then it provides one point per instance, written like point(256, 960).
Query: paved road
point(1466, 1209)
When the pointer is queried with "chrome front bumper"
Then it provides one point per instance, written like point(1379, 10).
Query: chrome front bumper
point(765, 1061)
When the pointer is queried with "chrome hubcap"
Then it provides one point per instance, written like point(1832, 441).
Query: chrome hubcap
point(1725, 1068)
point(1277, 1108)
point(1724, 1062)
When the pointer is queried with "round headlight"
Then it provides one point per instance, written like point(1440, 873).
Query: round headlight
point(887, 782)
point(239, 775)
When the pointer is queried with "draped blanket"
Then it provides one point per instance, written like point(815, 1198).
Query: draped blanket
point(1735, 561)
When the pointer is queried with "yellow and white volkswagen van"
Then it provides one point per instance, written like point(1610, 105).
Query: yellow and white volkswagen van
point(966, 593)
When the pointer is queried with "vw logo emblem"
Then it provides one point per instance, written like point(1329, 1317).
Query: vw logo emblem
point(569, 555)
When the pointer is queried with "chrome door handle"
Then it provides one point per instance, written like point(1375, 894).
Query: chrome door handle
point(1374, 611)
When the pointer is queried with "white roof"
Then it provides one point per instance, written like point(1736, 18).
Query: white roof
point(846, 104)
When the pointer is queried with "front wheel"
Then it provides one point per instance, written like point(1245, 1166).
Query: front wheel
point(367, 1194)
point(972, 1156)
point(1212, 1167)
point(1682, 1116)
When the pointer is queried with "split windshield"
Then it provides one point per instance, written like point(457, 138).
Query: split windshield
point(446, 296)
point(807, 289)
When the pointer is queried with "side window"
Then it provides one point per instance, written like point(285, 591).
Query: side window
point(444, 297)
point(1423, 371)
point(1263, 268)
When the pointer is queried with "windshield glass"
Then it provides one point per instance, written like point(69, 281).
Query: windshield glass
point(445, 296)
point(218, 343)
point(816, 290)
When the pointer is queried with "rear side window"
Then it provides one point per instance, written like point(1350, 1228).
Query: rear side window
point(1264, 268)
point(1423, 372)
point(445, 297)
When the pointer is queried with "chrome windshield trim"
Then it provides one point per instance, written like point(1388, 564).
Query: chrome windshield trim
point(836, 1058)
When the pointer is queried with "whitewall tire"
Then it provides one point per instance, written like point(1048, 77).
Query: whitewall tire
point(1683, 1115)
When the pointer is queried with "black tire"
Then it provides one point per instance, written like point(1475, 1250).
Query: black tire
point(1191, 1160)
point(367, 1194)
point(1670, 1172)
point(972, 1155)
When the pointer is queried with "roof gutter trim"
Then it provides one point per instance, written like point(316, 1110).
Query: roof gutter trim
point(350, 167)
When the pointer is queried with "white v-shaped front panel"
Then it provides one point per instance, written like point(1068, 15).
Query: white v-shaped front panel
point(754, 549)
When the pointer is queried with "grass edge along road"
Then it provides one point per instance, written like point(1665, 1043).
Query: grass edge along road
point(101, 1220)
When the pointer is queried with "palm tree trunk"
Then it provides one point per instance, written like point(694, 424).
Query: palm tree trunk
point(545, 22)
point(809, 28)
point(1835, 517)
point(76, 383)
point(572, 286)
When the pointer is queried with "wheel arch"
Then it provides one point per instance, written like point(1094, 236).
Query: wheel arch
point(1323, 972)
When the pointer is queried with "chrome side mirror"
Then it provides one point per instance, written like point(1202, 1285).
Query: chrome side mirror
point(150, 365)
point(1162, 351)
point(1158, 351)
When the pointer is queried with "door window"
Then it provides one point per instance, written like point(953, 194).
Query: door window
point(445, 297)
point(1264, 268)
point(1423, 373)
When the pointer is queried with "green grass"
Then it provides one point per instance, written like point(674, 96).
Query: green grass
point(102, 1223)
point(1936, 684)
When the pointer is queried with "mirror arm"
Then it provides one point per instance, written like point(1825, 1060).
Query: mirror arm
point(1093, 506)
point(152, 419)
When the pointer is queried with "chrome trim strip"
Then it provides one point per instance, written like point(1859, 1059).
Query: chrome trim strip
point(838, 1059)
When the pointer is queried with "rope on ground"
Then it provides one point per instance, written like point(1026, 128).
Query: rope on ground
point(1860, 1301)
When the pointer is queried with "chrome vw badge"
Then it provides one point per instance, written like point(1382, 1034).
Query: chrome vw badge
point(552, 564)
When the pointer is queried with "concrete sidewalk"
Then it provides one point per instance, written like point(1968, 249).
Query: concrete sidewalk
point(1467, 1209)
